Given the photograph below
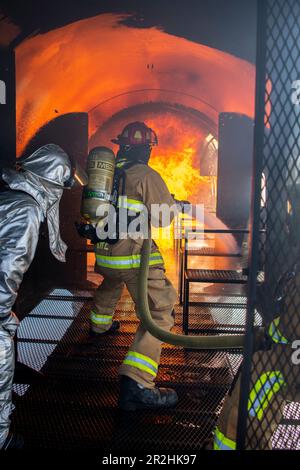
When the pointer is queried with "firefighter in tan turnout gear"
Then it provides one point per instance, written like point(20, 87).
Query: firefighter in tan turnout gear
point(275, 362)
point(139, 187)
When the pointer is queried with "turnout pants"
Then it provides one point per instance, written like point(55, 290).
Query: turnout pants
point(142, 360)
point(274, 379)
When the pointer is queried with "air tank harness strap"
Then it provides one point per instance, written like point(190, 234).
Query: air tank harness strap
point(120, 177)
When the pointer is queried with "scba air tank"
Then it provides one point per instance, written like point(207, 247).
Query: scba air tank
point(96, 195)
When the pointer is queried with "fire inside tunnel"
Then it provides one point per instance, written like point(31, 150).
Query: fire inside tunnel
point(116, 74)
point(178, 89)
point(78, 78)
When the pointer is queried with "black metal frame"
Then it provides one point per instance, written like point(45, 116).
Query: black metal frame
point(183, 257)
point(254, 221)
point(8, 110)
point(278, 32)
point(204, 275)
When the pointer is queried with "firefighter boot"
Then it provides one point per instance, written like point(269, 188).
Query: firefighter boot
point(134, 396)
point(94, 334)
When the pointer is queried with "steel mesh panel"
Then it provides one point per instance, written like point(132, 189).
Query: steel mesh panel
point(67, 309)
point(61, 292)
point(76, 407)
point(275, 373)
point(286, 437)
point(209, 275)
point(218, 317)
point(211, 251)
point(43, 329)
point(292, 411)
point(34, 355)
point(223, 294)
point(83, 419)
point(20, 389)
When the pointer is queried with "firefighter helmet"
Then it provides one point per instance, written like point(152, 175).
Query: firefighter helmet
point(136, 133)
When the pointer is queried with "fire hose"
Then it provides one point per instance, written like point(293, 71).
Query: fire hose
point(193, 342)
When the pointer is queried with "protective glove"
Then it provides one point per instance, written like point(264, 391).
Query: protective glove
point(3, 184)
point(87, 231)
point(261, 339)
point(10, 325)
point(184, 206)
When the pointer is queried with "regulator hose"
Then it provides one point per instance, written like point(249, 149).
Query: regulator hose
point(193, 342)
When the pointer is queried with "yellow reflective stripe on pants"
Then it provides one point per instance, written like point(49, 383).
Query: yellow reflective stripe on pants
point(222, 442)
point(126, 262)
point(275, 333)
point(141, 362)
point(263, 391)
point(100, 319)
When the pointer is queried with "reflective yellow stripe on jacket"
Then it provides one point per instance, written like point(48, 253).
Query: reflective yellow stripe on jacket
point(130, 204)
point(221, 442)
point(275, 333)
point(127, 262)
point(263, 391)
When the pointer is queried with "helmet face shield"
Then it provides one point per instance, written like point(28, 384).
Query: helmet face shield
point(78, 177)
point(135, 153)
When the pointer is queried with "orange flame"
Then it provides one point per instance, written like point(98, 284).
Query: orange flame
point(177, 157)
point(177, 160)
point(177, 170)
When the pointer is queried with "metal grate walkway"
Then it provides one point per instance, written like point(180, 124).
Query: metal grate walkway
point(75, 406)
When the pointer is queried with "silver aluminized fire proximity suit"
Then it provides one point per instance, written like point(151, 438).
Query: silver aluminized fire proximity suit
point(119, 265)
point(28, 197)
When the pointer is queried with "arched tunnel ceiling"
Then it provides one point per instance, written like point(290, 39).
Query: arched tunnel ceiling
point(102, 60)
point(228, 25)
point(153, 112)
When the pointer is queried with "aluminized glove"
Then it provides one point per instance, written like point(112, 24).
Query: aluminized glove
point(10, 324)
